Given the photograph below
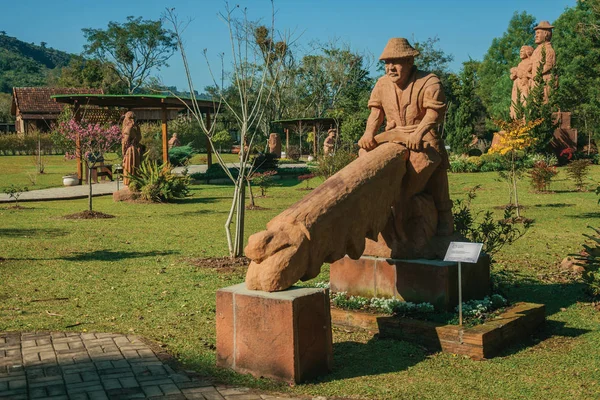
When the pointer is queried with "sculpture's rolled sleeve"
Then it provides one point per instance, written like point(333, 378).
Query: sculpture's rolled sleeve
point(434, 100)
point(375, 99)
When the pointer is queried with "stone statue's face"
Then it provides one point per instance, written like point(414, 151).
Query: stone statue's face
point(541, 36)
point(523, 53)
point(398, 69)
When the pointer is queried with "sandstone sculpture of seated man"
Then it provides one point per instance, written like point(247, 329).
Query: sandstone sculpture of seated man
point(390, 202)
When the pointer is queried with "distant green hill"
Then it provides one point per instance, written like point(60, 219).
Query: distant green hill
point(26, 64)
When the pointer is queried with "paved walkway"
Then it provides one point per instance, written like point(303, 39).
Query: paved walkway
point(99, 189)
point(96, 366)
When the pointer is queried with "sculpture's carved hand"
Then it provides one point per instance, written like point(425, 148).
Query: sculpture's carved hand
point(367, 142)
point(415, 142)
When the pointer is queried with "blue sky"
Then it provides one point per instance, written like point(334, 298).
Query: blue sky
point(465, 27)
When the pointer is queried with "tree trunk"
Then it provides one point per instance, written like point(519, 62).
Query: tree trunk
point(251, 194)
point(514, 179)
point(239, 222)
point(90, 185)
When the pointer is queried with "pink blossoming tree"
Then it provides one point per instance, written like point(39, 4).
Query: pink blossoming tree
point(90, 140)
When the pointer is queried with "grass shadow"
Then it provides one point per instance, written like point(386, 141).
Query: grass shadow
point(585, 215)
point(377, 356)
point(200, 212)
point(28, 233)
point(197, 200)
point(554, 205)
point(109, 255)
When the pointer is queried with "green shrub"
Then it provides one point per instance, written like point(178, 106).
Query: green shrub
point(293, 153)
point(264, 180)
point(180, 155)
point(482, 228)
point(589, 259)
point(541, 175)
point(265, 162)
point(331, 163)
point(577, 171)
point(157, 183)
point(14, 192)
point(13, 144)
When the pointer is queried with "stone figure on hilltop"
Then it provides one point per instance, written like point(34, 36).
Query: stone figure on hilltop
point(522, 77)
point(543, 53)
point(130, 145)
point(395, 194)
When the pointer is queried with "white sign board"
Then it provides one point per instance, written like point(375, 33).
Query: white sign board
point(463, 252)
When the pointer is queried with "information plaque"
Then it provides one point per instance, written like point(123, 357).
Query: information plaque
point(463, 252)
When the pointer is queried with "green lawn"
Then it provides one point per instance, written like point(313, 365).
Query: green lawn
point(135, 273)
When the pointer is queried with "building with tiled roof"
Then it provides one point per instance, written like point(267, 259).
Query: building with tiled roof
point(35, 110)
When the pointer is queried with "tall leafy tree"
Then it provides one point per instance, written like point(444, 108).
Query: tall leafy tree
point(133, 49)
point(495, 85)
point(576, 40)
point(463, 120)
point(89, 73)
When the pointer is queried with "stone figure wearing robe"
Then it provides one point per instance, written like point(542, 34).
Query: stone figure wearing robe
point(130, 145)
point(522, 77)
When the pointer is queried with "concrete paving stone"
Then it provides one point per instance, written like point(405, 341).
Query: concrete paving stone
point(149, 381)
point(56, 335)
point(100, 365)
point(88, 376)
point(232, 391)
point(111, 384)
point(169, 397)
point(115, 355)
point(76, 344)
point(247, 396)
point(3, 386)
point(125, 393)
point(58, 398)
point(129, 382)
point(170, 389)
point(151, 391)
point(107, 335)
point(88, 336)
point(38, 393)
point(42, 342)
point(69, 369)
point(23, 396)
point(73, 378)
point(142, 360)
point(194, 384)
point(11, 375)
point(17, 384)
point(203, 389)
point(179, 378)
point(115, 372)
point(44, 383)
point(68, 351)
point(193, 396)
point(56, 390)
point(122, 363)
point(213, 396)
point(13, 353)
point(78, 396)
point(97, 395)
point(84, 388)
point(7, 393)
point(47, 355)
point(157, 370)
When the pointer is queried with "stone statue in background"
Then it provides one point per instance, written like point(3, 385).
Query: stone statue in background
point(522, 79)
point(329, 143)
point(543, 35)
point(174, 141)
point(395, 194)
point(130, 145)
point(275, 145)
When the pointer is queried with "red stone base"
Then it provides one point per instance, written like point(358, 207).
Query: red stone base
point(281, 335)
point(419, 281)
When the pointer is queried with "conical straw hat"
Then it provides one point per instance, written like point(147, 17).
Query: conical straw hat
point(398, 48)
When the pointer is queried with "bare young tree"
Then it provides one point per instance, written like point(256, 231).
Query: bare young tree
point(253, 81)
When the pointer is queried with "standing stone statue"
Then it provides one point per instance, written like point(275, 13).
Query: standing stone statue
point(395, 194)
point(543, 35)
point(174, 141)
point(329, 143)
point(275, 145)
point(522, 77)
point(130, 145)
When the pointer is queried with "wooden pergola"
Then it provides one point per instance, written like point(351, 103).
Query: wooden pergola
point(299, 123)
point(141, 101)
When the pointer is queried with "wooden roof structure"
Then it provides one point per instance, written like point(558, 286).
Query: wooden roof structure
point(143, 101)
point(37, 103)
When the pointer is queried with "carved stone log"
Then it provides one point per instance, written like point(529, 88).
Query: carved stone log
point(330, 222)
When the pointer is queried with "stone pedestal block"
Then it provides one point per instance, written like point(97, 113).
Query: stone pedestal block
point(282, 335)
point(431, 281)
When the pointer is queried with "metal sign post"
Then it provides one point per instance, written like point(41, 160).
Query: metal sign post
point(462, 252)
